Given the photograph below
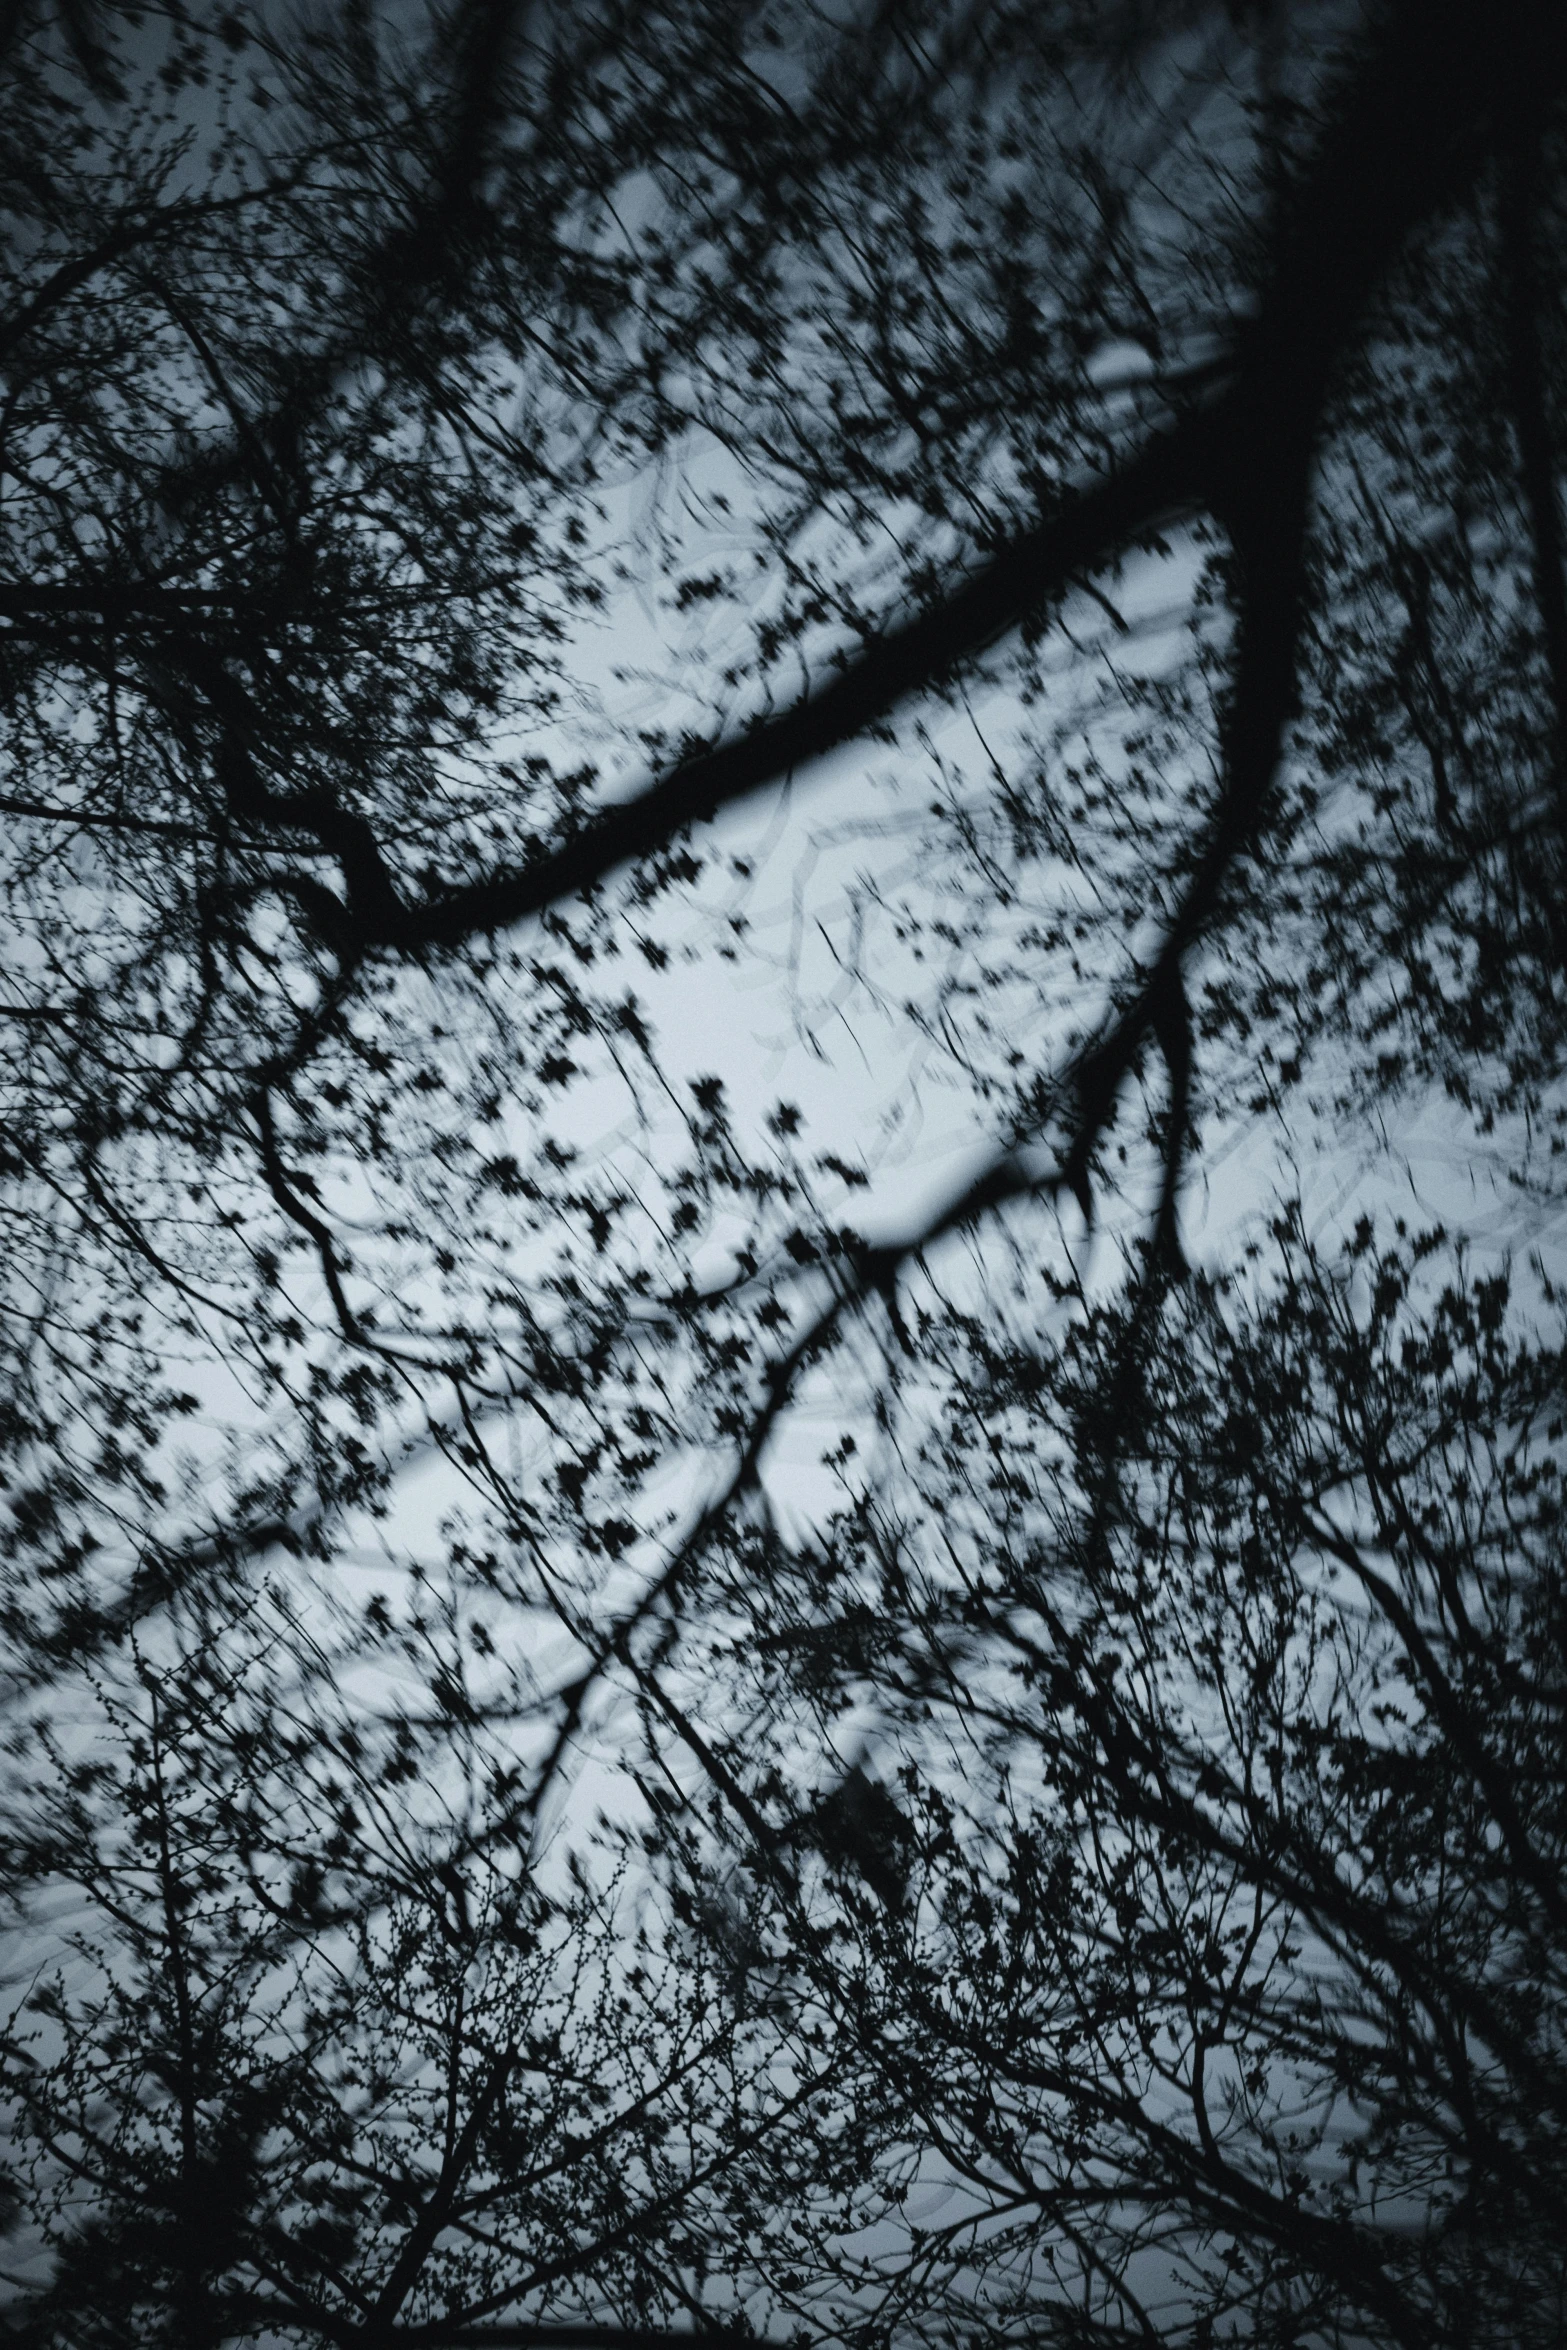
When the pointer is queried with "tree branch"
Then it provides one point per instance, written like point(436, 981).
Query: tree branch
point(1416, 121)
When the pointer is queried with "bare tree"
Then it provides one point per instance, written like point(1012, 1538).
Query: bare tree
point(358, 368)
point(1220, 1992)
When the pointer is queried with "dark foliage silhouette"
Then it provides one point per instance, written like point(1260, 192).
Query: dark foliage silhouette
point(468, 473)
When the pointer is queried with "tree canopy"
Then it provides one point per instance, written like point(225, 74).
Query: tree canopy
point(1026, 539)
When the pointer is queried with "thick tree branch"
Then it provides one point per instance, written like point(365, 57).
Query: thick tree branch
point(1167, 481)
point(1520, 193)
point(438, 2206)
point(1416, 121)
